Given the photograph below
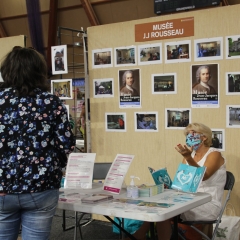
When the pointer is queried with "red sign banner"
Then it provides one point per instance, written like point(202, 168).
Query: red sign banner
point(175, 28)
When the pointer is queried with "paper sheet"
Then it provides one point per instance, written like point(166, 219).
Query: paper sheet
point(116, 174)
point(79, 171)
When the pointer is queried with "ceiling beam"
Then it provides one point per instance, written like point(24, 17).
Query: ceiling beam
point(63, 9)
point(3, 33)
point(52, 30)
point(92, 17)
point(225, 2)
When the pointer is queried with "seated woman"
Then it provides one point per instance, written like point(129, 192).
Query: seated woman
point(197, 152)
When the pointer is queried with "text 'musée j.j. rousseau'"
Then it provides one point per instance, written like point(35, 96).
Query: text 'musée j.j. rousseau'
point(163, 30)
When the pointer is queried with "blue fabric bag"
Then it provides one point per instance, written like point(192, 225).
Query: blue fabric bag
point(130, 225)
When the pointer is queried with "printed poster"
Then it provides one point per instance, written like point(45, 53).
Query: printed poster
point(116, 174)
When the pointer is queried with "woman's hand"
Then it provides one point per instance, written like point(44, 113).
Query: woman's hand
point(184, 151)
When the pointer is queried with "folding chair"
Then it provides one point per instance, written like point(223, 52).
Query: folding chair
point(228, 187)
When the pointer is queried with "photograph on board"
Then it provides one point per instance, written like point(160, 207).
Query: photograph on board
point(208, 49)
point(177, 118)
point(103, 88)
point(59, 59)
point(233, 116)
point(129, 88)
point(232, 44)
point(125, 56)
point(218, 139)
point(164, 83)
point(178, 51)
point(150, 54)
point(232, 83)
point(205, 86)
point(115, 122)
point(62, 88)
point(102, 58)
point(78, 85)
point(146, 121)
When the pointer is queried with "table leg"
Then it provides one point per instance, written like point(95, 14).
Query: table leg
point(75, 227)
point(152, 231)
point(122, 224)
point(121, 228)
point(175, 228)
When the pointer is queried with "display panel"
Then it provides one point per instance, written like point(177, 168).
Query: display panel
point(164, 6)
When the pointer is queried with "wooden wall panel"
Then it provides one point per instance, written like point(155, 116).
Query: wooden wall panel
point(157, 149)
point(6, 44)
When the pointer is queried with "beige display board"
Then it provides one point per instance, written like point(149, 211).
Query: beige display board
point(157, 148)
point(6, 44)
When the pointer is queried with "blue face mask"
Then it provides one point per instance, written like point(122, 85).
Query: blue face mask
point(194, 140)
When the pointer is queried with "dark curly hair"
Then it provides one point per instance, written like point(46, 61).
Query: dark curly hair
point(24, 69)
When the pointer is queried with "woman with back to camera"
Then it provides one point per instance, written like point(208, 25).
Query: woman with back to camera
point(35, 133)
point(197, 152)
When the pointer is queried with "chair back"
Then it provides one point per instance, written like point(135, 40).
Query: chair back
point(100, 170)
point(230, 180)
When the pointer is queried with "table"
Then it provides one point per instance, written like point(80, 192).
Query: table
point(108, 209)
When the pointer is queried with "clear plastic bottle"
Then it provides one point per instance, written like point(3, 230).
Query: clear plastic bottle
point(132, 189)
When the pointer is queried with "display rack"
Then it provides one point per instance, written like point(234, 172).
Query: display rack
point(77, 58)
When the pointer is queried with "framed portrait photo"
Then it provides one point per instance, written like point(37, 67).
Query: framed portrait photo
point(115, 122)
point(218, 139)
point(205, 86)
point(232, 44)
point(146, 121)
point(176, 52)
point(232, 83)
point(59, 59)
point(125, 56)
point(62, 88)
point(208, 49)
point(102, 58)
point(233, 116)
point(129, 88)
point(164, 83)
point(103, 88)
point(177, 118)
point(150, 54)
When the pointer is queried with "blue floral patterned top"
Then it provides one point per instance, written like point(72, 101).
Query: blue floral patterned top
point(35, 133)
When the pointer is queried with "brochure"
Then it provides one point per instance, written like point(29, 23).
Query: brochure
point(117, 172)
point(142, 203)
point(188, 178)
point(79, 170)
point(161, 176)
point(150, 190)
point(71, 197)
point(155, 204)
point(96, 198)
point(127, 200)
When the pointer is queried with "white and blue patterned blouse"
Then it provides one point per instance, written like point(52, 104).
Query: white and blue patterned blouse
point(34, 134)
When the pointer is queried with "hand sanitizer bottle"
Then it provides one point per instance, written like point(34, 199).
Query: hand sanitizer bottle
point(132, 190)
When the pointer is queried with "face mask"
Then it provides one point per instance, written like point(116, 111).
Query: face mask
point(194, 141)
